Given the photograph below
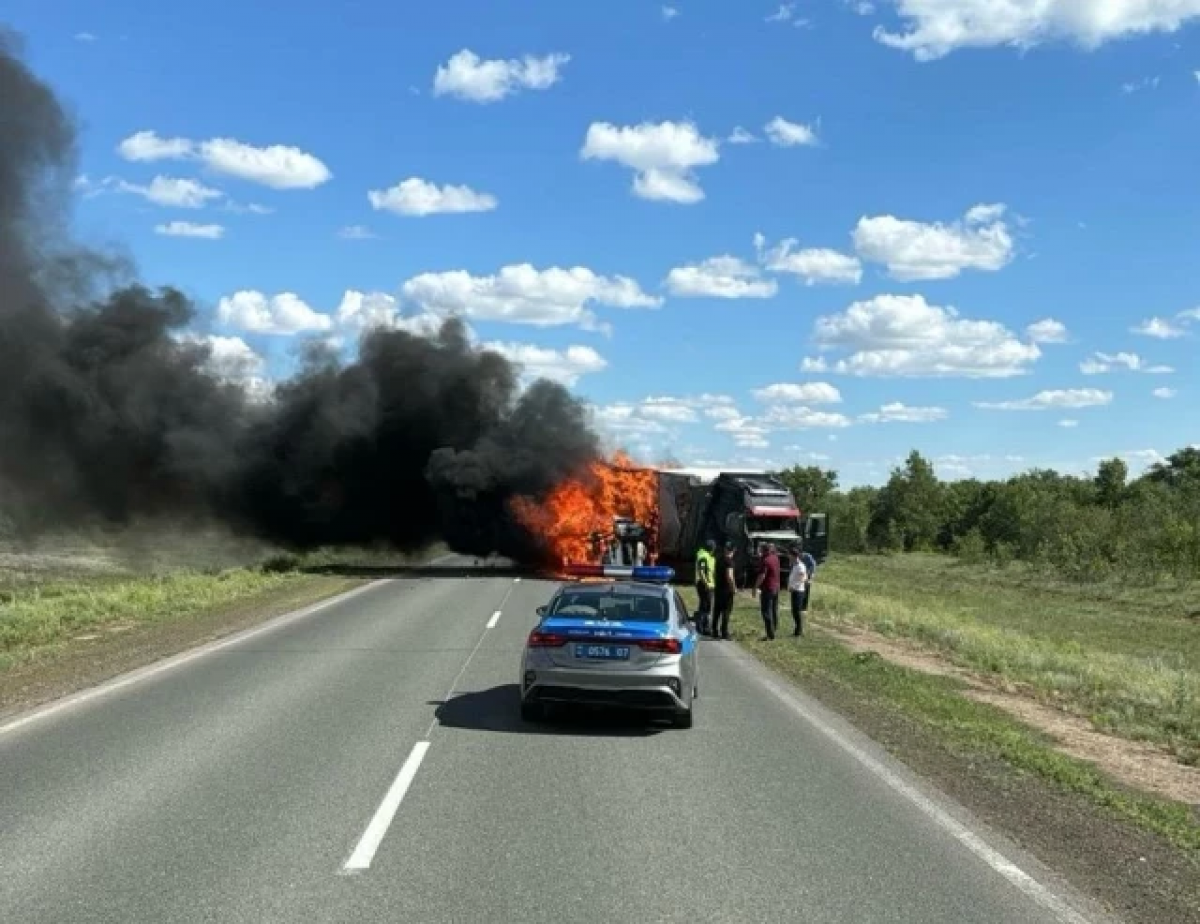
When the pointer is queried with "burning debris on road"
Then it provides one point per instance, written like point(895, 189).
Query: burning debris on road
point(109, 415)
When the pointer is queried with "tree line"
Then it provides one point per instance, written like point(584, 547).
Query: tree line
point(1083, 527)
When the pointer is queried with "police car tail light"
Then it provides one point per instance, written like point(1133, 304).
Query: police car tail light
point(546, 639)
point(661, 645)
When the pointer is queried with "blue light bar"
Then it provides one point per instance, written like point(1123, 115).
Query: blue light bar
point(655, 574)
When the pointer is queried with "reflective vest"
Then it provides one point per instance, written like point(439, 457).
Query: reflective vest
point(705, 563)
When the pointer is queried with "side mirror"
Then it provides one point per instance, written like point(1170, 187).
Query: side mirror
point(541, 611)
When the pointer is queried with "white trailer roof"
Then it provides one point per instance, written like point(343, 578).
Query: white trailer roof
point(704, 474)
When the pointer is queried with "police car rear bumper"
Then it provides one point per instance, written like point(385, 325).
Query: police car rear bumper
point(642, 691)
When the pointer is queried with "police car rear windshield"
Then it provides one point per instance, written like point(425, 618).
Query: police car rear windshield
point(610, 604)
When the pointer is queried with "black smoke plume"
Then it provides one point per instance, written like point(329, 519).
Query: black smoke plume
point(109, 416)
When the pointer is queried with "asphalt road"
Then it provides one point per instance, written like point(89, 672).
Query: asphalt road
point(365, 762)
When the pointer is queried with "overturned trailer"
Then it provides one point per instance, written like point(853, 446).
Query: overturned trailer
point(748, 509)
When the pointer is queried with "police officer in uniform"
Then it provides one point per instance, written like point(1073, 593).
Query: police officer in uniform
point(724, 590)
point(705, 562)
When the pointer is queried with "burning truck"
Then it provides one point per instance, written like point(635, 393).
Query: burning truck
point(746, 508)
point(615, 507)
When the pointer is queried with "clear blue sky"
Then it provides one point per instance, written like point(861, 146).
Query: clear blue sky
point(675, 207)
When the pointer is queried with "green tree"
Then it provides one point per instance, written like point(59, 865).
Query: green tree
point(908, 512)
point(1110, 482)
point(810, 485)
point(1182, 469)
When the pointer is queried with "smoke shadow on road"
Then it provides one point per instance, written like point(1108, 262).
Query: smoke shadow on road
point(499, 710)
point(450, 572)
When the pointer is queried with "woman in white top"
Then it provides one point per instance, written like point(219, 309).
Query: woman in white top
point(797, 582)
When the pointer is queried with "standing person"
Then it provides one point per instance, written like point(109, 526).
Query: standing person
point(767, 586)
point(797, 589)
point(810, 565)
point(705, 561)
point(724, 590)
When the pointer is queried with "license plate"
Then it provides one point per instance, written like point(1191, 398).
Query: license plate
point(602, 652)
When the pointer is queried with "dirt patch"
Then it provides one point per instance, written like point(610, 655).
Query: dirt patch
point(1135, 874)
point(1136, 764)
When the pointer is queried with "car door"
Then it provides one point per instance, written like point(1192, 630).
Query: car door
point(691, 663)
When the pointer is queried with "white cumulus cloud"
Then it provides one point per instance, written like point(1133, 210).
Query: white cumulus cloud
point(914, 250)
point(277, 166)
point(801, 417)
point(190, 229)
point(663, 156)
point(936, 28)
point(903, 335)
point(523, 294)
point(1053, 399)
point(720, 277)
point(785, 134)
point(563, 366)
point(285, 313)
point(233, 361)
point(896, 412)
point(149, 146)
point(1047, 330)
point(806, 393)
point(745, 432)
point(1165, 393)
point(1159, 328)
point(174, 192)
point(741, 136)
point(1100, 363)
point(365, 310)
point(415, 196)
point(468, 76)
point(815, 265)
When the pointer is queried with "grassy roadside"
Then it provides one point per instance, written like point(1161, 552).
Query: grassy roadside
point(1137, 853)
point(964, 727)
point(67, 622)
point(1125, 657)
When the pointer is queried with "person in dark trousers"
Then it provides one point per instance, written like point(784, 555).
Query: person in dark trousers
point(810, 565)
point(797, 588)
point(705, 562)
point(724, 590)
point(767, 586)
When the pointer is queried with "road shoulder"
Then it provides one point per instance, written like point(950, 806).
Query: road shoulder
point(118, 647)
point(989, 763)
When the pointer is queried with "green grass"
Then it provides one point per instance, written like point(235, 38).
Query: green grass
point(47, 600)
point(1125, 657)
point(965, 726)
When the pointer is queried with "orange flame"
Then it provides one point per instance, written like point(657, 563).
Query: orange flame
point(581, 509)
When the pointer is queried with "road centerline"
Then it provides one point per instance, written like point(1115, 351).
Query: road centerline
point(470, 658)
point(361, 858)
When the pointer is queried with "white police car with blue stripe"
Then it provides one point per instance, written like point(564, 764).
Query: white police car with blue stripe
point(627, 641)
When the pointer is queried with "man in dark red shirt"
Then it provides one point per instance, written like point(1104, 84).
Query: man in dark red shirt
point(767, 586)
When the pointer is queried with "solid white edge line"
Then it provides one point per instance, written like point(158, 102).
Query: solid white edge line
point(960, 832)
point(373, 836)
point(186, 657)
point(145, 673)
point(491, 624)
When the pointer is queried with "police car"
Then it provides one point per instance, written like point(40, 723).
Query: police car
point(626, 640)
